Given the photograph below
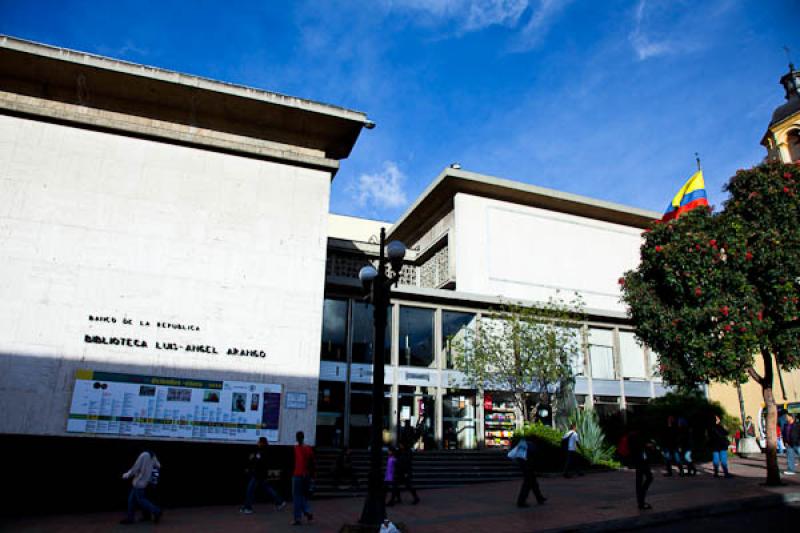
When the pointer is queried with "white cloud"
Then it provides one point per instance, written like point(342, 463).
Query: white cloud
point(382, 189)
point(665, 27)
point(470, 15)
point(643, 43)
point(529, 20)
point(542, 17)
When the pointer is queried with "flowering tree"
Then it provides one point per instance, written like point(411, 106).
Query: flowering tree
point(524, 350)
point(714, 291)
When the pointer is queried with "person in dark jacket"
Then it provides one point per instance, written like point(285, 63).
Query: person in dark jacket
point(529, 481)
point(343, 469)
point(669, 446)
point(258, 472)
point(791, 438)
point(685, 445)
point(404, 474)
point(718, 440)
point(640, 448)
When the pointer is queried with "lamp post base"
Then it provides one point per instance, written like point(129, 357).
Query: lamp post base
point(361, 528)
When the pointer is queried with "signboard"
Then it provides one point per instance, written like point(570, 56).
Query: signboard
point(296, 400)
point(159, 407)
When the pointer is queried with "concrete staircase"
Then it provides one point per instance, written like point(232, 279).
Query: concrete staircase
point(432, 469)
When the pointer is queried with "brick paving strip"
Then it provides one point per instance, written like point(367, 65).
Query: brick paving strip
point(595, 502)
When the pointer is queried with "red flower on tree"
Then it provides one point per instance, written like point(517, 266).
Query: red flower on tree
point(658, 248)
point(748, 256)
point(698, 291)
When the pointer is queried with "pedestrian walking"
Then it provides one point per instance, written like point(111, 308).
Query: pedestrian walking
point(791, 436)
point(258, 474)
point(685, 445)
point(344, 470)
point(145, 470)
point(523, 456)
point(302, 477)
point(718, 440)
point(390, 478)
point(404, 474)
point(669, 446)
point(569, 443)
point(640, 447)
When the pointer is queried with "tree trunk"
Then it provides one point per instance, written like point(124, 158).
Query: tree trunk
point(773, 474)
point(523, 409)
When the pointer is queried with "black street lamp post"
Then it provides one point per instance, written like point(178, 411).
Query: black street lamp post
point(379, 284)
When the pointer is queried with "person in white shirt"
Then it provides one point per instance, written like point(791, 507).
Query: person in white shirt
point(140, 475)
point(570, 443)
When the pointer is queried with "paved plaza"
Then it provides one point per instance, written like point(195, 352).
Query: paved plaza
point(597, 501)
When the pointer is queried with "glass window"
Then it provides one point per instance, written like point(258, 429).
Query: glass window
point(330, 413)
point(654, 367)
point(458, 420)
point(631, 356)
point(601, 352)
point(455, 328)
point(334, 330)
point(576, 346)
point(606, 406)
point(361, 414)
point(416, 337)
point(363, 334)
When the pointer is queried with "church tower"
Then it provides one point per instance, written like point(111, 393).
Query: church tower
point(782, 139)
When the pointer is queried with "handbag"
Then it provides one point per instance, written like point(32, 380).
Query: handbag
point(520, 451)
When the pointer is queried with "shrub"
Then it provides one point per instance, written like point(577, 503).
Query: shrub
point(592, 444)
point(694, 407)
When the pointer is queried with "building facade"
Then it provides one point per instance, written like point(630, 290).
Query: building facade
point(173, 280)
point(163, 242)
point(475, 242)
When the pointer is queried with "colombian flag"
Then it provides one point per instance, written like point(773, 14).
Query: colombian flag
point(691, 195)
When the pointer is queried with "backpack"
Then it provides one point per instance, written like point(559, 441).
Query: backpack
point(155, 473)
point(565, 441)
point(622, 447)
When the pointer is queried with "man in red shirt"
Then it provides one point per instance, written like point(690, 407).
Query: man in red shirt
point(301, 479)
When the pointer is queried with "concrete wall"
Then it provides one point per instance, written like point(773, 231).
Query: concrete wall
point(523, 252)
point(102, 225)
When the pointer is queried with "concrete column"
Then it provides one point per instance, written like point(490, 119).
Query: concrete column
point(347, 388)
point(587, 358)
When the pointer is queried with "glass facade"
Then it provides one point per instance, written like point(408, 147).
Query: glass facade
point(363, 335)
point(426, 397)
point(601, 353)
point(456, 328)
point(334, 330)
point(416, 337)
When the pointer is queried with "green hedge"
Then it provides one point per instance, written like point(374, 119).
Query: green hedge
point(548, 455)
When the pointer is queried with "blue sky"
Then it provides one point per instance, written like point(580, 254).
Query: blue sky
point(609, 99)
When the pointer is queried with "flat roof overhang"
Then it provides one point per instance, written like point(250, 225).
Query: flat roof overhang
point(320, 132)
point(437, 200)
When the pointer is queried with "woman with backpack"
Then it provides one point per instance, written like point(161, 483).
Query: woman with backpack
point(144, 471)
point(718, 440)
point(569, 443)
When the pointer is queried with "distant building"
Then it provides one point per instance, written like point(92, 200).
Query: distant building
point(782, 139)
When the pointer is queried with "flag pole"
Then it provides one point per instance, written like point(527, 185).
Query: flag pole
point(697, 158)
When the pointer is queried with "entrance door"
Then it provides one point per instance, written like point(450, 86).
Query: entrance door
point(416, 416)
